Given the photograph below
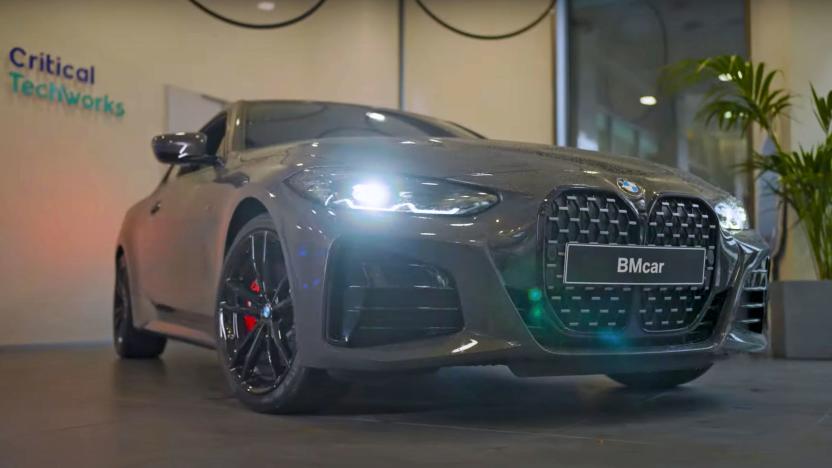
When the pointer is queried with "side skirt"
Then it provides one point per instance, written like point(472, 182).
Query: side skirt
point(181, 333)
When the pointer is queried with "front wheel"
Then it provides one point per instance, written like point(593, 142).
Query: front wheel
point(255, 318)
point(659, 380)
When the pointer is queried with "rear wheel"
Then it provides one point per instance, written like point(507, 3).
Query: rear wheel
point(129, 342)
point(659, 380)
point(255, 319)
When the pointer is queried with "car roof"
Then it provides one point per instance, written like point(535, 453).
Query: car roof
point(246, 102)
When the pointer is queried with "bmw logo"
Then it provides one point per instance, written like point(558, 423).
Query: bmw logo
point(629, 187)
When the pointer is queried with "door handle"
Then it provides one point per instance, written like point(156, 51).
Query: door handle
point(156, 207)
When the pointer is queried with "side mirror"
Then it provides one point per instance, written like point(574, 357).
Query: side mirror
point(182, 148)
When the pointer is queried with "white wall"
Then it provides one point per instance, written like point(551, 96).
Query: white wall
point(502, 89)
point(794, 36)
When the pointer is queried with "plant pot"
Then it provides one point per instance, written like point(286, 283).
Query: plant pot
point(801, 319)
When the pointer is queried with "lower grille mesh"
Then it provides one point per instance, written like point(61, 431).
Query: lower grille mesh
point(540, 326)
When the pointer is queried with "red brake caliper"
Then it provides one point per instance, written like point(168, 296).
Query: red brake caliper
point(250, 320)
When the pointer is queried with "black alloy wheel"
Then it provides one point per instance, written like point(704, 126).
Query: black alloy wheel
point(256, 314)
point(129, 342)
point(256, 328)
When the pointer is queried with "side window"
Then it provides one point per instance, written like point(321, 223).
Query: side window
point(215, 131)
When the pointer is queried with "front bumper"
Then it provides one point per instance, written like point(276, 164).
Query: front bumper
point(490, 257)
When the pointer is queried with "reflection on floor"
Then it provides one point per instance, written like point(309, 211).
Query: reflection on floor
point(82, 407)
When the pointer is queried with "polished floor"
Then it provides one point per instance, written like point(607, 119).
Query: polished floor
point(79, 406)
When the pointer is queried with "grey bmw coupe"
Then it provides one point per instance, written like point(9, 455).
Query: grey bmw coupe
point(312, 240)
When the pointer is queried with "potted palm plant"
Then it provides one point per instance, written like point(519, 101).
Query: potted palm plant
point(740, 95)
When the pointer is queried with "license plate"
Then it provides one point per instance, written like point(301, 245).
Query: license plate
point(634, 265)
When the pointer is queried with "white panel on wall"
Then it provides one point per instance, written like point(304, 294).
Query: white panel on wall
point(500, 88)
point(188, 111)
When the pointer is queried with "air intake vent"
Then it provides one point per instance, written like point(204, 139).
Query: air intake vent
point(380, 298)
point(752, 313)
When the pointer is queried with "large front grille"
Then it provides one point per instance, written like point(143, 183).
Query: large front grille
point(594, 217)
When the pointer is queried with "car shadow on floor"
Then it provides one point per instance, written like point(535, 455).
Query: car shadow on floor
point(481, 396)
point(493, 396)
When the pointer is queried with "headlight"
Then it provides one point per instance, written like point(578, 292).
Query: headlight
point(377, 192)
point(732, 215)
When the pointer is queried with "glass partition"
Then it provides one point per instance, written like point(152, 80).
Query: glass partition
point(618, 49)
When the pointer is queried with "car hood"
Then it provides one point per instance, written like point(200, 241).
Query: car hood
point(523, 168)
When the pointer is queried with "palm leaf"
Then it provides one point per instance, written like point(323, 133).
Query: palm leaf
point(823, 111)
point(740, 94)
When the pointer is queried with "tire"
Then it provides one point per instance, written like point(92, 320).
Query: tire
point(254, 324)
point(659, 380)
point(129, 342)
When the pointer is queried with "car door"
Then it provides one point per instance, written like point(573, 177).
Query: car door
point(150, 251)
point(183, 216)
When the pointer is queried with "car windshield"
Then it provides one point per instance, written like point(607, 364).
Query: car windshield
point(274, 123)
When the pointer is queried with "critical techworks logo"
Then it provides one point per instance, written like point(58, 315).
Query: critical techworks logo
point(55, 91)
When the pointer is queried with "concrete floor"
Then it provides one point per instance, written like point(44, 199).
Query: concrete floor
point(83, 407)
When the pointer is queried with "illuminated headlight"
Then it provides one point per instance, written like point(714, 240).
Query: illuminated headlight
point(732, 215)
point(385, 192)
